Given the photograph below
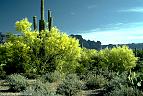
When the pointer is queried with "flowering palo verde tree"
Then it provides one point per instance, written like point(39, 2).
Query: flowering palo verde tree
point(118, 59)
point(39, 52)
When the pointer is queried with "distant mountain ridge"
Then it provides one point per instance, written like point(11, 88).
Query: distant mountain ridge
point(87, 43)
point(98, 45)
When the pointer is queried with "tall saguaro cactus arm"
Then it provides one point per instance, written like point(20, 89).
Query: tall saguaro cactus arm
point(49, 14)
point(35, 22)
point(50, 20)
point(42, 22)
point(50, 23)
point(42, 9)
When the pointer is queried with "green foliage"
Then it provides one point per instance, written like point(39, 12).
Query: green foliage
point(115, 59)
point(87, 55)
point(117, 81)
point(23, 25)
point(17, 82)
point(96, 81)
point(118, 59)
point(120, 85)
point(109, 74)
point(63, 49)
point(16, 57)
point(87, 60)
point(35, 52)
point(70, 86)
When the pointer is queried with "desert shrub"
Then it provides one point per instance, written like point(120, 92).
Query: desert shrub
point(87, 60)
point(118, 81)
point(17, 82)
point(96, 81)
point(39, 52)
point(109, 74)
point(39, 88)
point(70, 86)
point(125, 91)
point(53, 76)
point(118, 59)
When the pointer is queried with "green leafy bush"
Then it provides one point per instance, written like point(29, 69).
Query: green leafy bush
point(118, 59)
point(70, 86)
point(39, 52)
point(96, 81)
point(87, 60)
point(17, 82)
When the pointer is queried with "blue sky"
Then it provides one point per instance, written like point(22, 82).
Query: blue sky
point(108, 21)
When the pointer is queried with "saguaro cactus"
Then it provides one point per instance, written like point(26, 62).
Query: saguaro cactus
point(50, 20)
point(35, 22)
point(42, 9)
point(42, 22)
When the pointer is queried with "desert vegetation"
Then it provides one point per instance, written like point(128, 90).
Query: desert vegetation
point(58, 66)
